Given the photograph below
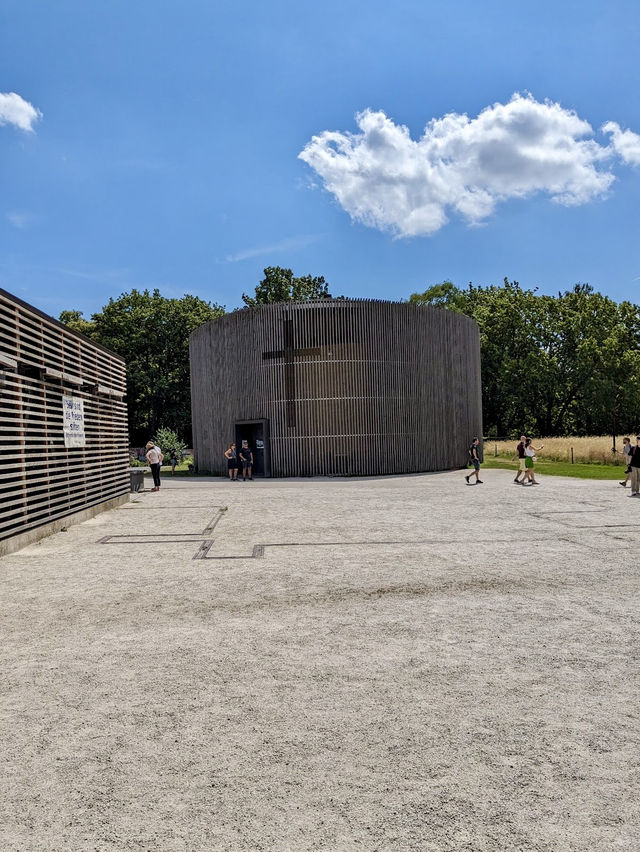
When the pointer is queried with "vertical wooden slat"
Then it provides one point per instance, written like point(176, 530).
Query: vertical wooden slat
point(381, 387)
point(40, 479)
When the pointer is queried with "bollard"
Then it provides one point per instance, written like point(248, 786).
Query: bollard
point(571, 455)
point(496, 452)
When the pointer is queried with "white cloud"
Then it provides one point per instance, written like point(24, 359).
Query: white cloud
point(385, 179)
point(625, 143)
point(15, 110)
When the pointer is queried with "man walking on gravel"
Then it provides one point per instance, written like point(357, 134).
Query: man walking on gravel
point(635, 469)
point(474, 459)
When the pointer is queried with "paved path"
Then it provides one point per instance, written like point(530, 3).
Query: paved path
point(381, 664)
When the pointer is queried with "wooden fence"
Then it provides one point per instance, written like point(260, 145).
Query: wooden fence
point(52, 463)
point(349, 387)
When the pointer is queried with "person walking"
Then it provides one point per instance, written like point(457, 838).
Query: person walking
point(529, 461)
point(232, 462)
point(635, 469)
point(520, 455)
point(246, 459)
point(474, 459)
point(154, 457)
point(626, 453)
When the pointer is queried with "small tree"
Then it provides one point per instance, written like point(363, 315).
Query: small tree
point(169, 443)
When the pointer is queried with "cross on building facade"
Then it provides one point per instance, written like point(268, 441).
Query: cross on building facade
point(288, 354)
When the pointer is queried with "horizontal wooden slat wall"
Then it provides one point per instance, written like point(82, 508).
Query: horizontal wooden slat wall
point(350, 387)
point(41, 361)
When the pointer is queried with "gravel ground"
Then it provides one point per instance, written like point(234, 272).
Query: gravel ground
point(400, 663)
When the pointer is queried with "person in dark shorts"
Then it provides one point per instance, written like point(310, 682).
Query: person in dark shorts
point(474, 459)
point(232, 462)
point(246, 459)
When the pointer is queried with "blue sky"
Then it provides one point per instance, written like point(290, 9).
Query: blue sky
point(157, 145)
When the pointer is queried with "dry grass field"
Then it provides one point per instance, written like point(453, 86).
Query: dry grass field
point(595, 449)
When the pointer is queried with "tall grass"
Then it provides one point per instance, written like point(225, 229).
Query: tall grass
point(591, 450)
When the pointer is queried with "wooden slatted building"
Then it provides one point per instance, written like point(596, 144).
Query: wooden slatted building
point(63, 425)
point(337, 387)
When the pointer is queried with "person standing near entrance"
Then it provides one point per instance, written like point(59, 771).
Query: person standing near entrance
point(154, 457)
point(246, 458)
point(232, 462)
point(474, 459)
point(635, 469)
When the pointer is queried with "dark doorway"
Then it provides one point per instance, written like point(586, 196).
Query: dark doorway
point(256, 432)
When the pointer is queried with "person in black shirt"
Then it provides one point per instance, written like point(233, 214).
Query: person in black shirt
point(246, 459)
point(635, 469)
point(232, 462)
point(474, 459)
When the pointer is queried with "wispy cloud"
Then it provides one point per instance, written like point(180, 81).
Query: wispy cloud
point(20, 219)
point(287, 244)
point(103, 275)
point(389, 181)
point(15, 110)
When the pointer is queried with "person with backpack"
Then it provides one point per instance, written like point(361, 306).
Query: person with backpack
point(474, 459)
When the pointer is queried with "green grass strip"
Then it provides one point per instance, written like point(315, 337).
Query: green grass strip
point(553, 468)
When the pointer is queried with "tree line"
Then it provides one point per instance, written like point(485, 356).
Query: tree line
point(551, 365)
point(151, 333)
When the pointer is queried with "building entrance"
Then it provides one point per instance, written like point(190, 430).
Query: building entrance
point(256, 432)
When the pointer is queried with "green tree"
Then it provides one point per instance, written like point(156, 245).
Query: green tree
point(170, 443)
point(280, 285)
point(551, 365)
point(151, 333)
point(76, 321)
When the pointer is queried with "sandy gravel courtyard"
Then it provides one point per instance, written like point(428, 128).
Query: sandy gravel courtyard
point(402, 663)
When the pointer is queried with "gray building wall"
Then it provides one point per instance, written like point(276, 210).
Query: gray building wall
point(42, 480)
point(349, 387)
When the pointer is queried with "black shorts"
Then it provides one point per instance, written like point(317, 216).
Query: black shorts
point(232, 464)
point(246, 462)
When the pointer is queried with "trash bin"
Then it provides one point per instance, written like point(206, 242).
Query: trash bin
point(137, 478)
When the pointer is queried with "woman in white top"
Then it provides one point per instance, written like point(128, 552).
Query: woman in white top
point(154, 457)
point(529, 461)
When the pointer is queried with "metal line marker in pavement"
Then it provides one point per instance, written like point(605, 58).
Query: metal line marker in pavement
point(172, 538)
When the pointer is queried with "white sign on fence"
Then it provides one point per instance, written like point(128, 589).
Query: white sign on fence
point(73, 421)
